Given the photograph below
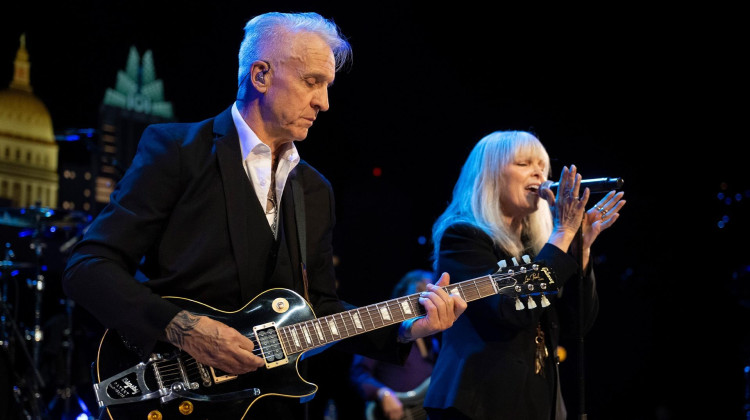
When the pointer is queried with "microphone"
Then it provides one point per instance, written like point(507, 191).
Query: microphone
point(595, 185)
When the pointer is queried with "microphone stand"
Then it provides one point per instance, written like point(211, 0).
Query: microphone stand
point(581, 367)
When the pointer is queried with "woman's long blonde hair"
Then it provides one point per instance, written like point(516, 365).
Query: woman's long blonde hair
point(476, 195)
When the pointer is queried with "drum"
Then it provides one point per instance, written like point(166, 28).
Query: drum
point(36, 331)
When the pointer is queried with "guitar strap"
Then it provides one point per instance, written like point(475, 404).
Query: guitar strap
point(299, 216)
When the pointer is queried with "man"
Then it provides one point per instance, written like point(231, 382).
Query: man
point(221, 210)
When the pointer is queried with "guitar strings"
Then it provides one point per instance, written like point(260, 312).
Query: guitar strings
point(312, 329)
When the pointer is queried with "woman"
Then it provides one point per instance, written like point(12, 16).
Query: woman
point(497, 362)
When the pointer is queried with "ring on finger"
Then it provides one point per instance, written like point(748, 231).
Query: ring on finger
point(601, 209)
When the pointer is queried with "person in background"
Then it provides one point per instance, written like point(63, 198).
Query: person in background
point(384, 385)
point(221, 210)
point(498, 362)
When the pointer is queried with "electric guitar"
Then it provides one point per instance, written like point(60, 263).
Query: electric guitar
point(282, 325)
point(411, 401)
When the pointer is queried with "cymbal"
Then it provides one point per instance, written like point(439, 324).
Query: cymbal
point(30, 217)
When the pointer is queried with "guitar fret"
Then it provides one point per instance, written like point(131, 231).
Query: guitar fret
point(354, 315)
point(401, 314)
point(317, 338)
point(455, 289)
point(332, 326)
point(479, 294)
point(415, 306)
point(480, 289)
point(375, 318)
point(488, 285)
point(468, 293)
point(396, 306)
point(316, 324)
point(369, 316)
point(343, 322)
point(298, 332)
point(385, 313)
point(493, 285)
point(325, 333)
point(357, 321)
point(405, 307)
point(332, 333)
point(325, 325)
point(352, 324)
point(295, 336)
point(382, 319)
point(306, 332)
point(284, 339)
point(369, 311)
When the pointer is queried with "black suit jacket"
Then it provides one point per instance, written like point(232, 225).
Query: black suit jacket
point(486, 363)
point(185, 215)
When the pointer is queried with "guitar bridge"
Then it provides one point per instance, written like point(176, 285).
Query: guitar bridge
point(270, 345)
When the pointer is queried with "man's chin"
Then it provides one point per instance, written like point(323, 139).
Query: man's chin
point(300, 135)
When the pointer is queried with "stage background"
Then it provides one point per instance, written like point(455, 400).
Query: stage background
point(653, 95)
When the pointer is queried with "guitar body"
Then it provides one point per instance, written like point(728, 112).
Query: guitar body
point(223, 399)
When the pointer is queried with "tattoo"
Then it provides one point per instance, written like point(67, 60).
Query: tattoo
point(180, 327)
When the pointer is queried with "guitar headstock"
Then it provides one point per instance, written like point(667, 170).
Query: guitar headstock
point(525, 281)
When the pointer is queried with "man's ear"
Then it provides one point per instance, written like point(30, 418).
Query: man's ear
point(258, 75)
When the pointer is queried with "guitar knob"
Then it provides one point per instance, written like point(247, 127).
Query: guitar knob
point(186, 408)
point(544, 301)
point(502, 264)
point(519, 305)
point(515, 261)
point(155, 415)
point(526, 259)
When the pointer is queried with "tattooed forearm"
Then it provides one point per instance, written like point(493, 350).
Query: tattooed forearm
point(180, 327)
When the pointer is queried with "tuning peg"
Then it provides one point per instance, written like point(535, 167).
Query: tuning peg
point(519, 305)
point(531, 304)
point(515, 261)
point(544, 301)
point(526, 259)
point(502, 264)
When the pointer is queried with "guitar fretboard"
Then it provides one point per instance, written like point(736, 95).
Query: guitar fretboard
point(321, 331)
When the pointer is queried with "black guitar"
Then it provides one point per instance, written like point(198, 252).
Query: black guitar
point(411, 401)
point(282, 326)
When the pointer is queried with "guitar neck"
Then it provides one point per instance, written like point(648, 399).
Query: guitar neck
point(318, 332)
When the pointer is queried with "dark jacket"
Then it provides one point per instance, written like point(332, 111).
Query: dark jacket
point(186, 217)
point(486, 363)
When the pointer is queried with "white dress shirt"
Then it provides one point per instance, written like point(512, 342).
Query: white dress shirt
point(257, 160)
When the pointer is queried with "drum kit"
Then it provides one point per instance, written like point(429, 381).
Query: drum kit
point(37, 336)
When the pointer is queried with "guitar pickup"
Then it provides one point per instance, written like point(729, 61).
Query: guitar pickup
point(267, 339)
